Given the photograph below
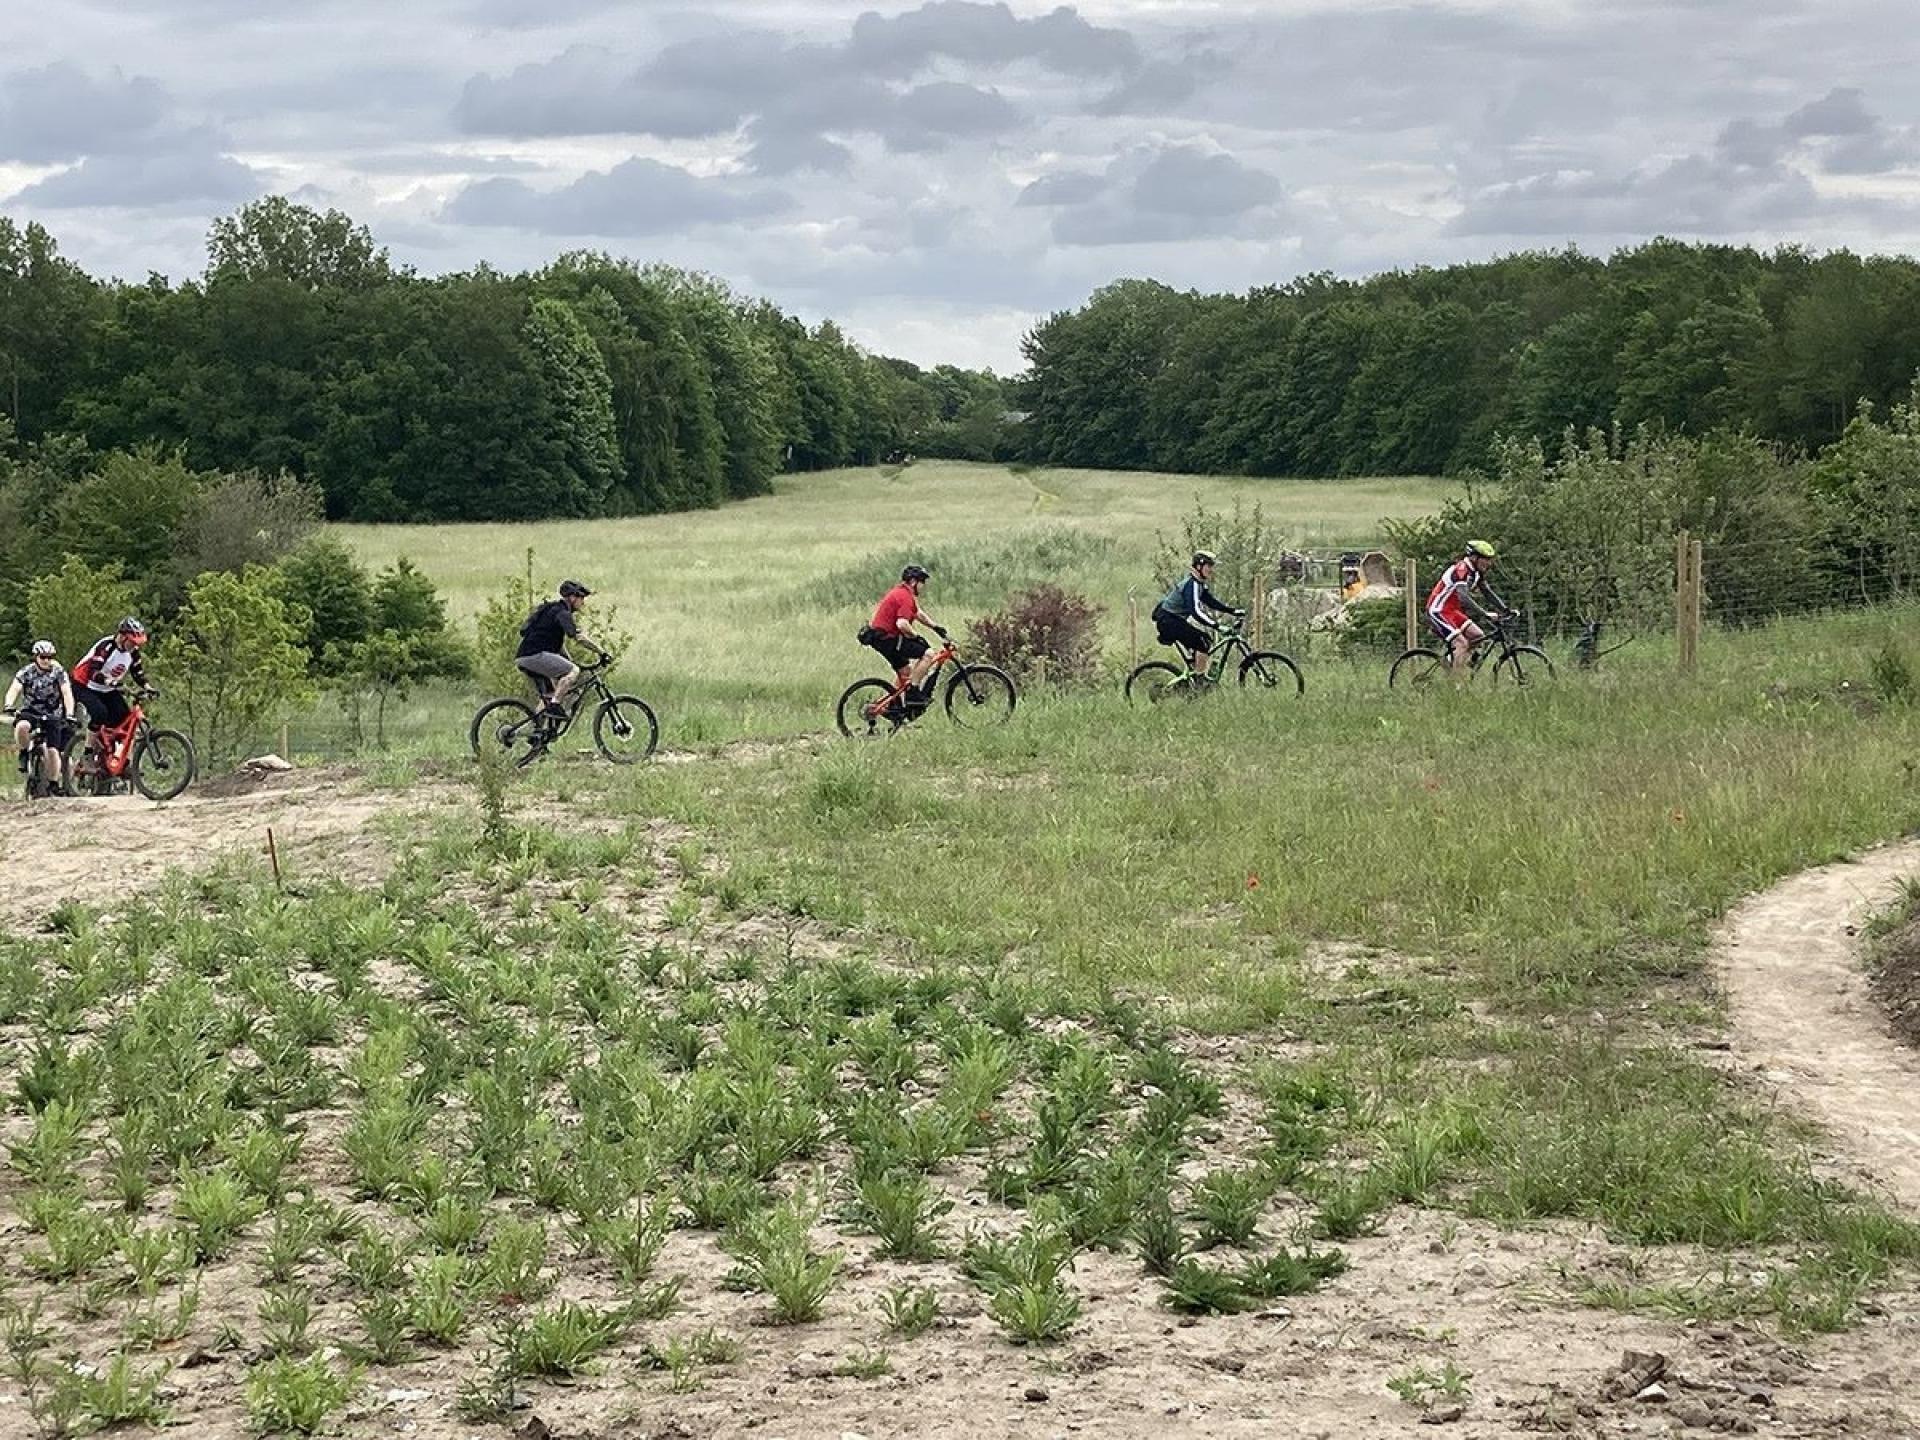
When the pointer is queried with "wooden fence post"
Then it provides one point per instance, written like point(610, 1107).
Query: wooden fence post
point(1413, 608)
point(1133, 629)
point(286, 750)
point(1259, 616)
point(1686, 594)
point(1696, 603)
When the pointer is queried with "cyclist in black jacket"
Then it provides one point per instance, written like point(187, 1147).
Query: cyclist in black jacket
point(1185, 618)
point(543, 643)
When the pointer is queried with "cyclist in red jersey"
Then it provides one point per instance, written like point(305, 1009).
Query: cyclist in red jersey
point(111, 661)
point(1458, 586)
point(891, 632)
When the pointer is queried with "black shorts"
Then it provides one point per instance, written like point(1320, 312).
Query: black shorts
point(900, 651)
point(1175, 630)
point(55, 730)
point(103, 707)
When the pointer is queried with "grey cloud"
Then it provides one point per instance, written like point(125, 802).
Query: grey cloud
point(1841, 134)
point(777, 150)
point(59, 112)
point(1064, 187)
point(1185, 180)
point(1839, 112)
point(988, 35)
point(196, 175)
point(1161, 87)
point(1695, 195)
point(639, 196)
point(1156, 194)
point(929, 116)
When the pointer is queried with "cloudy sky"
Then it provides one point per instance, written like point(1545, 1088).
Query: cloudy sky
point(938, 176)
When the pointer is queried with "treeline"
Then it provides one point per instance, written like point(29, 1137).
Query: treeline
point(1417, 372)
point(592, 387)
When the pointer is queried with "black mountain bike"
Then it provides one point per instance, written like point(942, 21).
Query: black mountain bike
point(624, 729)
point(38, 785)
point(1424, 667)
point(1159, 680)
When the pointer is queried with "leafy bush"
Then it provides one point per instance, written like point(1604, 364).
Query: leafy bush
point(236, 659)
point(1044, 632)
point(78, 603)
point(324, 580)
point(245, 519)
point(1248, 549)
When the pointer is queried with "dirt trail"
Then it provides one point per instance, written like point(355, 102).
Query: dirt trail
point(1803, 1012)
point(93, 850)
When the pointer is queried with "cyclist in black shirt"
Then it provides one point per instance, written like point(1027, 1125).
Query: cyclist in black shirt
point(41, 696)
point(543, 639)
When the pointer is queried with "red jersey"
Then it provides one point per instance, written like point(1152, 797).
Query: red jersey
point(896, 605)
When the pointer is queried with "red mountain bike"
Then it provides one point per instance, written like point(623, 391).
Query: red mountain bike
point(157, 763)
point(977, 695)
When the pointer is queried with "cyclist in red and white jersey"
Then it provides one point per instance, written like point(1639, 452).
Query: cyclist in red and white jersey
point(1460, 585)
point(109, 663)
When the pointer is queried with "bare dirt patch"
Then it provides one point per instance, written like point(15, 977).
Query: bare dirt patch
point(1897, 981)
point(92, 850)
point(1805, 1018)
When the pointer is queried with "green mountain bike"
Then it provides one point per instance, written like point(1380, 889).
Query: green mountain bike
point(1159, 680)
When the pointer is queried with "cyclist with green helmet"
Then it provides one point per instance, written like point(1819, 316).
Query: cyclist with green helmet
point(1461, 584)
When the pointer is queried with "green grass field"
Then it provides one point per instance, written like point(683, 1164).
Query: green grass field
point(742, 618)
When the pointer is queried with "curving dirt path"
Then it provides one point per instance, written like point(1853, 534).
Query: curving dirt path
point(1803, 1013)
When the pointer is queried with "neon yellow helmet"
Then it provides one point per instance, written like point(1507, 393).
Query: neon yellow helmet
point(1480, 548)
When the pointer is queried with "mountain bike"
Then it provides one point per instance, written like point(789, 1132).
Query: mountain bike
point(38, 785)
point(157, 763)
point(624, 729)
point(1425, 666)
point(1159, 680)
point(976, 696)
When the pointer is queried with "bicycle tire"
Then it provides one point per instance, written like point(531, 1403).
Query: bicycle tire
point(979, 696)
point(639, 717)
point(1268, 670)
point(1511, 669)
point(1417, 669)
point(163, 753)
point(507, 725)
point(1153, 682)
point(851, 713)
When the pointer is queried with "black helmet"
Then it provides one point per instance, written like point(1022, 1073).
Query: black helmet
point(570, 589)
point(1204, 557)
point(913, 572)
point(130, 626)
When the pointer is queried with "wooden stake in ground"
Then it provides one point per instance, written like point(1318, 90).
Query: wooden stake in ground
point(1259, 616)
point(273, 859)
point(1413, 608)
point(1686, 599)
point(1133, 629)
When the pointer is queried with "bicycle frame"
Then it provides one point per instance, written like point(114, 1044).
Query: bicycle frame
point(115, 742)
point(947, 651)
point(1233, 641)
point(592, 684)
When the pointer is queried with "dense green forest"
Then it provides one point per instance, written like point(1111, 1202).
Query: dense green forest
point(1417, 372)
point(591, 387)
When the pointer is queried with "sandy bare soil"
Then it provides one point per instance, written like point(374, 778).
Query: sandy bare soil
point(90, 850)
point(1804, 1014)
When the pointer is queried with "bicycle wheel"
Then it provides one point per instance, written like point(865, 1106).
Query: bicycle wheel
point(509, 727)
point(980, 695)
point(35, 773)
point(163, 764)
point(1270, 670)
point(1155, 681)
point(858, 714)
point(1418, 669)
point(624, 729)
point(1523, 665)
